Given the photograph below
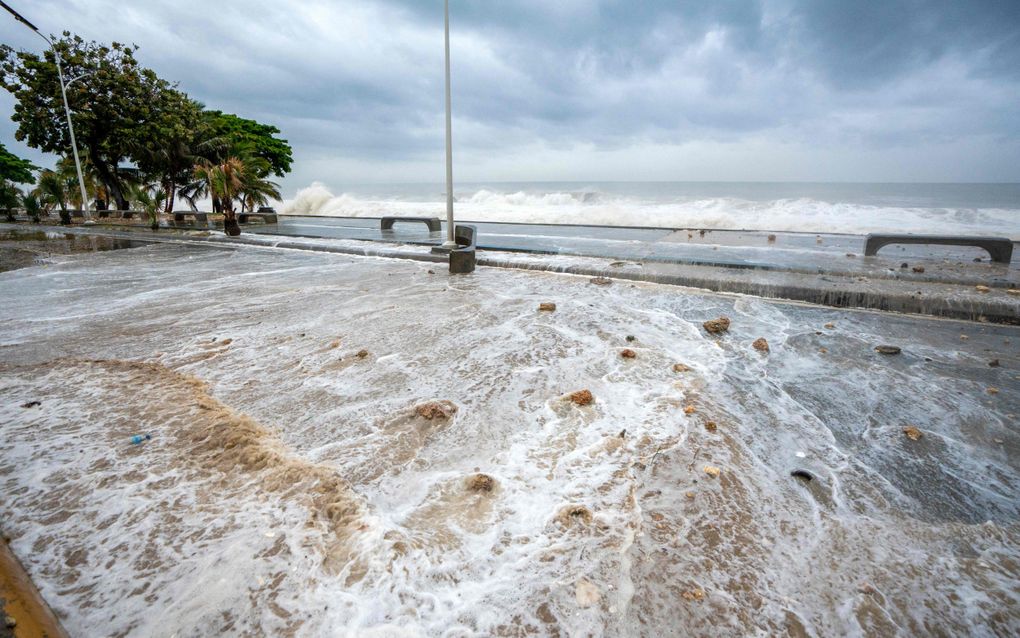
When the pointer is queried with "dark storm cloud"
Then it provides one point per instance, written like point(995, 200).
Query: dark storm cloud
point(362, 81)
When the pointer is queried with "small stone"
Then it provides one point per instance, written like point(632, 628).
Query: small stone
point(710, 426)
point(712, 471)
point(631, 338)
point(994, 363)
point(717, 326)
point(681, 367)
point(31, 404)
point(760, 344)
point(918, 269)
point(627, 353)
point(904, 265)
point(823, 350)
point(601, 281)
point(362, 354)
point(830, 325)
point(431, 272)
point(582, 397)
point(981, 288)
point(694, 594)
point(992, 390)
point(480, 483)
point(912, 433)
point(851, 255)
point(547, 306)
point(435, 410)
point(887, 349)
point(690, 409)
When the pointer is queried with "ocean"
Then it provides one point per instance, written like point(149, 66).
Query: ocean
point(985, 209)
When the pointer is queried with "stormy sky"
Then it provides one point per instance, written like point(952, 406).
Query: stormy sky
point(788, 90)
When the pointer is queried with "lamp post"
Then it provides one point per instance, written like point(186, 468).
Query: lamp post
point(450, 242)
point(67, 109)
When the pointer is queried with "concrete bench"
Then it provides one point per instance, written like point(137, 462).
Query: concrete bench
point(78, 213)
point(182, 216)
point(127, 214)
point(1000, 248)
point(386, 223)
point(267, 218)
point(462, 258)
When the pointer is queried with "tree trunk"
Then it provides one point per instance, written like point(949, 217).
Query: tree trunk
point(171, 192)
point(230, 225)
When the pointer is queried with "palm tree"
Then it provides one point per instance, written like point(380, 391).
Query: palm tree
point(10, 198)
point(32, 207)
point(52, 191)
point(258, 191)
point(223, 181)
point(149, 199)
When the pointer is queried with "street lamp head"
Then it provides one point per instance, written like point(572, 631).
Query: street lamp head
point(18, 17)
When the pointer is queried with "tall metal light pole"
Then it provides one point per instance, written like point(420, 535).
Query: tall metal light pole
point(67, 109)
point(450, 241)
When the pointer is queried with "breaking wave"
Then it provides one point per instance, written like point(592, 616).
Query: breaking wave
point(590, 206)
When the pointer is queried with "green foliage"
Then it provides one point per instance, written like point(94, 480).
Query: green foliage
point(15, 169)
point(31, 205)
point(259, 138)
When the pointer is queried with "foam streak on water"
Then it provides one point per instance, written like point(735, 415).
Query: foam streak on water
point(975, 209)
point(290, 488)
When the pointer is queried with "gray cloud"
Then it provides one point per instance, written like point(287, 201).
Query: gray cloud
point(877, 90)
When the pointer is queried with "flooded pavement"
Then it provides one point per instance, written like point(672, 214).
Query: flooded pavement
point(26, 246)
point(352, 443)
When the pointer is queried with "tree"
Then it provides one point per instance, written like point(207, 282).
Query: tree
point(52, 190)
point(10, 198)
point(113, 100)
point(149, 198)
point(15, 169)
point(258, 138)
point(31, 205)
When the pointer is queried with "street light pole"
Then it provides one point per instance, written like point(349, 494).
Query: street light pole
point(450, 242)
point(67, 109)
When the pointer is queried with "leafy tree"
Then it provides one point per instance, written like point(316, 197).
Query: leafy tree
point(114, 99)
point(10, 198)
point(259, 138)
point(149, 199)
point(52, 190)
point(15, 169)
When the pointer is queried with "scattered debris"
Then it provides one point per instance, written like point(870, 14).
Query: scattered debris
point(582, 397)
point(31, 404)
point(981, 288)
point(138, 439)
point(717, 326)
point(710, 426)
point(964, 337)
point(431, 272)
point(803, 475)
point(823, 350)
point(631, 338)
point(601, 281)
point(690, 409)
point(681, 367)
point(867, 589)
point(772, 238)
point(627, 353)
point(830, 326)
point(1013, 291)
point(851, 255)
point(586, 594)
point(887, 349)
point(992, 390)
point(334, 344)
point(702, 232)
point(712, 471)
point(912, 433)
point(760, 344)
point(904, 265)
point(227, 342)
point(10, 622)
point(547, 306)
point(362, 354)
point(994, 363)
point(918, 269)
point(693, 594)
point(481, 483)
point(435, 410)
point(690, 495)
point(690, 235)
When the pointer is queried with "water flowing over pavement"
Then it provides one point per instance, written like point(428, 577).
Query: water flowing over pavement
point(291, 487)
